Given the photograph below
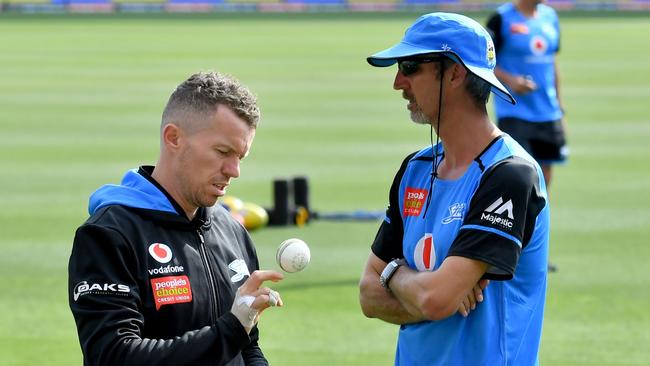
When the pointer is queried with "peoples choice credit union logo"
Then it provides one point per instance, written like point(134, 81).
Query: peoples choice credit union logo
point(171, 290)
point(413, 201)
point(160, 252)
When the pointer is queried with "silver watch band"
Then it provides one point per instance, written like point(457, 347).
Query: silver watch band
point(389, 271)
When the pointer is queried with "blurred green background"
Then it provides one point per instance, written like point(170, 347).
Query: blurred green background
point(80, 103)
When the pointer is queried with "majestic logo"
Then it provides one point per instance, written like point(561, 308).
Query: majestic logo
point(241, 270)
point(414, 200)
point(445, 47)
point(424, 254)
point(160, 252)
point(538, 45)
point(171, 290)
point(455, 213)
point(84, 288)
point(494, 212)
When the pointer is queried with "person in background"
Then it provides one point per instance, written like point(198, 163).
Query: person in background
point(526, 36)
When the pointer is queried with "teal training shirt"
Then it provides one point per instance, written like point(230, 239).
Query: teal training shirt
point(497, 212)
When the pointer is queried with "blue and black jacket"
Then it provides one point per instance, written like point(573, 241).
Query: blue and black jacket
point(148, 286)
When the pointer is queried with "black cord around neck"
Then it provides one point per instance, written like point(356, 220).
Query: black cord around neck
point(434, 148)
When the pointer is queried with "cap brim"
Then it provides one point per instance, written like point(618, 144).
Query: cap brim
point(389, 57)
point(497, 87)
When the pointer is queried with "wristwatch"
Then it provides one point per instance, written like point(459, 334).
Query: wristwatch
point(389, 271)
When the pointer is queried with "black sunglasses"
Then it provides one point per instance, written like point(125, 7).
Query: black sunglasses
point(412, 65)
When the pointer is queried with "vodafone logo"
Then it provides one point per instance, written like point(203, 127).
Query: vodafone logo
point(160, 252)
point(538, 45)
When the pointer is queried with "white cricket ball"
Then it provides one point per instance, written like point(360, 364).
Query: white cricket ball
point(293, 255)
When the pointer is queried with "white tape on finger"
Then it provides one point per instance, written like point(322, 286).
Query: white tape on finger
point(246, 299)
point(274, 298)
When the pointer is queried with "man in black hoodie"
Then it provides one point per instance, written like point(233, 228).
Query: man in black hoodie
point(159, 274)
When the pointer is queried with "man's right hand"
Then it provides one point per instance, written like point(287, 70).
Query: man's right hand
point(251, 300)
point(473, 297)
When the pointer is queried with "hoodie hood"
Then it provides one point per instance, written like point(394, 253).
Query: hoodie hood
point(135, 191)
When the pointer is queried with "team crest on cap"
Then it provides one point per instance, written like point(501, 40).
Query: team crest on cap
point(424, 254)
point(160, 252)
point(490, 51)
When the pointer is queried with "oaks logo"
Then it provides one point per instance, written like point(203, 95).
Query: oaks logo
point(112, 289)
point(414, 200)
point(160, 252)
point(171, 290)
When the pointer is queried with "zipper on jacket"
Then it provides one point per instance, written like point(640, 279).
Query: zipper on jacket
point(213, 288)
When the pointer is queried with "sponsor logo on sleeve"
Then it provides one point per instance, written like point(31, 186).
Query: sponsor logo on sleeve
point(171, 290)
point(456, 212)
point(494, 213)
point(84, 288)
point(414, 200)
point(240, 268)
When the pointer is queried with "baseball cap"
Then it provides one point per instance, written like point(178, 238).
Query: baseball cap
point(456, 36)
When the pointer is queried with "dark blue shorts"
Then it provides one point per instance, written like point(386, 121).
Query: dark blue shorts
point(544, 141)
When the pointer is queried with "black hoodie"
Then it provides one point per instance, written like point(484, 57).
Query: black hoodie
point(147, 286)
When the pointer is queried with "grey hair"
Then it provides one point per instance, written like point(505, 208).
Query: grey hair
point(477, 88)
point(203, 93)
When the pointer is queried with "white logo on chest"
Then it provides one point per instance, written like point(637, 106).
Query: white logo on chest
point(455, 213)
point(241, 270)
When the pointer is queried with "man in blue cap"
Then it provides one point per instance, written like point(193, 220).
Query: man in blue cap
point(473, 207)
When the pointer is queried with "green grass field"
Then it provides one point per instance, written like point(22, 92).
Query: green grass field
point(80, 102)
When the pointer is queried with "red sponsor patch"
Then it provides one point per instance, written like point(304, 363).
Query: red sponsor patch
point(414, 200)
point(518, 28)
point(171, 290)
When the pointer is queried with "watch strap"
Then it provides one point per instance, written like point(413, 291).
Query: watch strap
point(389, 271)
